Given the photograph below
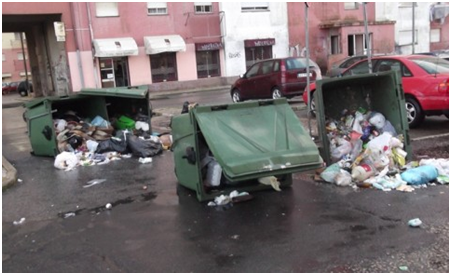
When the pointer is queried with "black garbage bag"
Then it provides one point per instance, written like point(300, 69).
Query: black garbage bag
point(112, 144)
point(143, 148)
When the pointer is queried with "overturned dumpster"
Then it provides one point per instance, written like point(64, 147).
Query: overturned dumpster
point(222, 148)
point(105, 105)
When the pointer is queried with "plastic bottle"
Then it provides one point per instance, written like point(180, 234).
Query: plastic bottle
point(363, 172)
point(214, 173)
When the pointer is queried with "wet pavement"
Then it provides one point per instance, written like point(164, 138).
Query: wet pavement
point(155, 225)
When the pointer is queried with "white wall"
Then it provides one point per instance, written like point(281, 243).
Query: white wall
point(239, 26)
point(403, 26)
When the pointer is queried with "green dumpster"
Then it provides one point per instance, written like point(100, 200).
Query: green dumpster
point(249, 140)
point(88, 103)
point(380, 92)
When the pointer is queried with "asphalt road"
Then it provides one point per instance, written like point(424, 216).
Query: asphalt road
point(157, 226)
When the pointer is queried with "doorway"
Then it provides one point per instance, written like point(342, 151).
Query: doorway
point(114, 72)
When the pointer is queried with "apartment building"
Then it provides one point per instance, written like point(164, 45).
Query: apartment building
point(15, 65)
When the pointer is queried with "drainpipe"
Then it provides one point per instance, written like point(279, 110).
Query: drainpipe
point(91, 32)
point(367, 39)
point(77, 45)
point(413, 27)
point(307, 55)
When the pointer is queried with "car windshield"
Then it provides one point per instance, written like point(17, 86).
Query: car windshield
point(433, 65)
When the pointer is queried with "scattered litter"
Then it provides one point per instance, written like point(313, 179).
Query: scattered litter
point(70, 214)
point(270, 181)
point(235, 237)
point(21, 221)
point(66, 161)
point(19, 180)
point(420, 175)
point(145, 160)
point(145, 187)
point(108, 206)
point(234, 196)
point(415, 222)
point(93, 182)
point(403, 268)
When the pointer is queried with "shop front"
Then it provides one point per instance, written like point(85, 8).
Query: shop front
point(258, 49)
point(207, 59)
point(113, 60)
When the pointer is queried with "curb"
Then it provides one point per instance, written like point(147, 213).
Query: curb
point(11, 174)
point(155, 95)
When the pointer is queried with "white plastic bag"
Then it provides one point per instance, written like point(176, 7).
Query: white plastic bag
point(66, 161)
point(343, 178)
point(330, 173)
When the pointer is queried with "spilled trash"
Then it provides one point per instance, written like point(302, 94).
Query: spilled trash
point(415, 222)
point(233, 197)
point(367, 152)
point(93, 182)
point(21, 221)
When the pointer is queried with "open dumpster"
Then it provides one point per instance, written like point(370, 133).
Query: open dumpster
point(109, 104)
point(248, 141)
point(379, 92)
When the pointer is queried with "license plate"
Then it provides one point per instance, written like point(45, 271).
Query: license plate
point(303, 75)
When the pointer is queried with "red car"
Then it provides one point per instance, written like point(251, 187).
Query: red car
point(274, 78)
point(10, 88)
point(425, 81)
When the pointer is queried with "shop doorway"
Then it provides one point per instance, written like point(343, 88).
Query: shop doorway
point(114, 72)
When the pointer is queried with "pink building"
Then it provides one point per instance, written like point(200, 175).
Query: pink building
point(337, 30)
point(14, 58)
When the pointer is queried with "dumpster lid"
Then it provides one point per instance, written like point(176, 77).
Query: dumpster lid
point(129, 92)
point(256, 137)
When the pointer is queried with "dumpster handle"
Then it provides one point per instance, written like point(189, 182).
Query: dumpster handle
point(190, 155)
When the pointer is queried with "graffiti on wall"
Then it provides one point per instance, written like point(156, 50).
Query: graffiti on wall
point(234, 55)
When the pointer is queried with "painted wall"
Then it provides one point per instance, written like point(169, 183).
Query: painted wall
point(403, 17)
point(239, 26)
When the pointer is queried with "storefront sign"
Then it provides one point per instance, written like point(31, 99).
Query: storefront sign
point(259, 42)
point(209, 46)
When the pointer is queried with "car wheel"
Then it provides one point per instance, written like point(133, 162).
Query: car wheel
point(23, 93)
point(276, 93)
point(415, 115)
point(236, 97)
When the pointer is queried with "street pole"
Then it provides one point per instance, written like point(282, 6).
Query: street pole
point(307, 53)
point(367, 39)
point(413, 27)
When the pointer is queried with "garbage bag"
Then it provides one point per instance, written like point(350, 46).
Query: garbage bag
point(143, 148)
point(420, 175)
point(112, 144)
point(66, 161)
point(330, 173)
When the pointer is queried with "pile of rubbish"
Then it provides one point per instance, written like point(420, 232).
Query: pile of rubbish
point(366, 151)
point(85, 142)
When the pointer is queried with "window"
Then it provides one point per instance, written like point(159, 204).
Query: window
point(20, 56)
point(435, 35)
point(357, 44)
point(17, 36)
point(334, 44)
point(351, 5)
point(3, 57)
point(254, 54)
point(393, 65)
point(253, 71)
point(163, 67)
point(361, 68)
point(105, 9)
point(155, 8)
point(254, 6)
point(267, 67)
point(203, 7)
point(207, 64)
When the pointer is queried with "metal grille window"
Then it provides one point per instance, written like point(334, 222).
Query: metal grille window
point(106, 9)
point(156, 8)
point(254, 54)
point(203, 7)
point(254, 6)
point(163, 67)
point(207, 64)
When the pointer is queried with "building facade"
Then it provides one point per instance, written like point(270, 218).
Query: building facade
point(183, 45)
point(15, 65)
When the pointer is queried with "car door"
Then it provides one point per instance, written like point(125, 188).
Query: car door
point(407, 78)
point(264, 80)
point(248, 84)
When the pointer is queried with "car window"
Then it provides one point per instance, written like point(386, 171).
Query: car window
point(253, 70)
point(295, 63)
point(276, 66)
point(361, 68)
point(349, 62)
point(393, 65)
point(267, 67)
point(433, 65)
